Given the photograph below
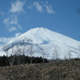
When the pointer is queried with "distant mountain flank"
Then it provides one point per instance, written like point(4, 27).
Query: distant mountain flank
point(53, 44)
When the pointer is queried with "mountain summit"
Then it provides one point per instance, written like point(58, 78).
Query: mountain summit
point(51, 42)
point(39, 35)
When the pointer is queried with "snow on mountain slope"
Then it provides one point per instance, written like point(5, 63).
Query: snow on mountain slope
point(39, 35)
point(49, 41)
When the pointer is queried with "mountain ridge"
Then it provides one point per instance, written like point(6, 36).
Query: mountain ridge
point(43, 38)
point(35, 30)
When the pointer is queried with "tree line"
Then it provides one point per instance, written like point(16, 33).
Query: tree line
point(21, 59)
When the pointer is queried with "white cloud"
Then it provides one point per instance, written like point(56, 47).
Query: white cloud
point(4, 39)
point(10, 39)
point(38, 6)
point(28, 17)
point(30, 6)
point(17, 6)
point(19, 26)
point(12, 21)
point(49, 9)
point(46, 2)
point(1, 12)
point(12, 28)
point(42, 8)
point(17, 34)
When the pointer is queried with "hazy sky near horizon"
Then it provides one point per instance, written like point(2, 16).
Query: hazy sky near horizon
point(19, 16)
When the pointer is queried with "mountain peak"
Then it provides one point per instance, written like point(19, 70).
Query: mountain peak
point(41, 34)
point(36, 34)
point(37, 29)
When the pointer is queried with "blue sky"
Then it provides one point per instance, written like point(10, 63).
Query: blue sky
point(19, 16)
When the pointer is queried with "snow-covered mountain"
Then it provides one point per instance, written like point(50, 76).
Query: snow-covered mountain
point(46, 41)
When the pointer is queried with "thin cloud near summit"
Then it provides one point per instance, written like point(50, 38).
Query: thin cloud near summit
point(41, 8)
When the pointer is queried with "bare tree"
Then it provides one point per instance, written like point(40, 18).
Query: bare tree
point(44, 54)
point(18, 53)
point(79, 52)
point(31, 52)
point(55, 53)
point(10, 55)
point(24, 49)
point(13, 55)
point(69, 53)
point(65, 58)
